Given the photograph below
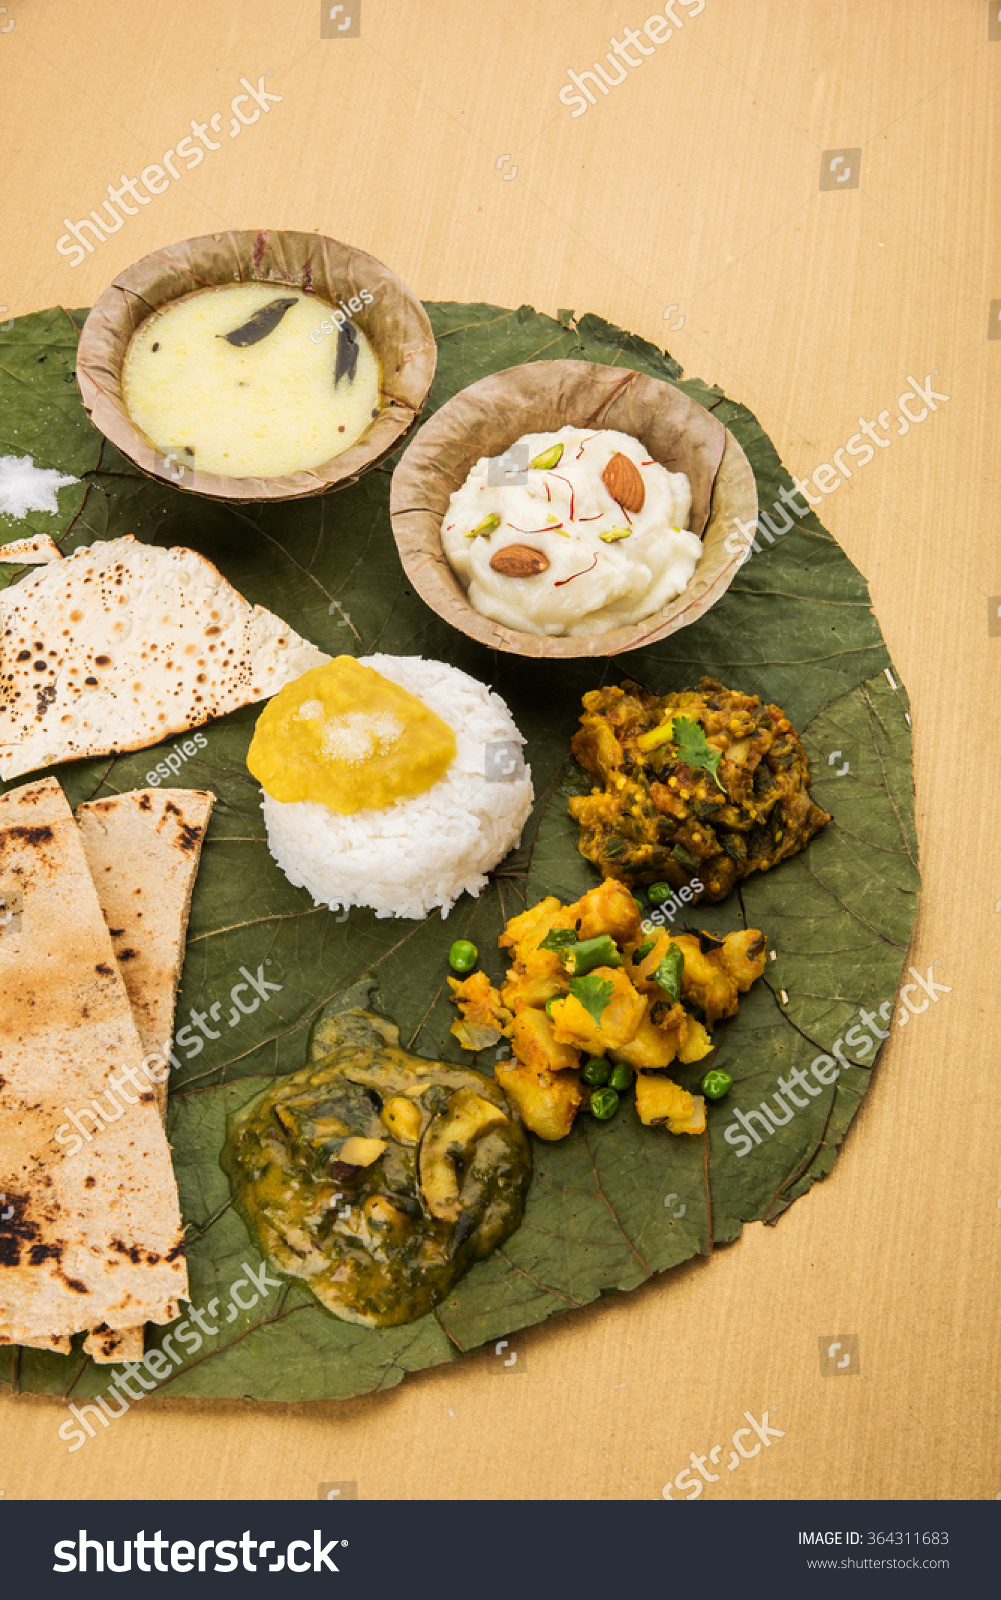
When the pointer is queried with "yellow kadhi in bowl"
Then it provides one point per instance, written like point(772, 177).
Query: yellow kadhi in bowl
point(256, 365)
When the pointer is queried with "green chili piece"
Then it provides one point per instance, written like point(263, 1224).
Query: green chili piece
point(588, 954)
point(716, 1084)
point(595, 1072)
point(559, 938)
point(643, 950)
point(668, 973)
point(604, 1103)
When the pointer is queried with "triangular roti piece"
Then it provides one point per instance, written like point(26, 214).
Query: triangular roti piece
point(95, 1236)
point(28, 552)
point(143, 850)
point(125, 644)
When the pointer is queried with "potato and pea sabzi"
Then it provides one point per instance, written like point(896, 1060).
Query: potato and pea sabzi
point(707, 784)
point(590, 1000)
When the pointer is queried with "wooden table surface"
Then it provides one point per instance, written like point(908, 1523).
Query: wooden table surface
point(684, 204)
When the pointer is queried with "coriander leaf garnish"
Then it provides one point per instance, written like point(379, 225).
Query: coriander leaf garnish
point(694, 749)
point(594, 993)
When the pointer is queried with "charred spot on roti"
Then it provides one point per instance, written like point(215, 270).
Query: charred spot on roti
point(44, 698)
point(129, 955)
point(178, 1252)
point(90, 1181)
point(145, 804)
point(74, 1284)
point(105, 971)
point(18, 1230)
point(34, 836)
point(40, 1253)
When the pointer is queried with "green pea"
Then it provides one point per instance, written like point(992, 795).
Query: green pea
point(604, 1104)
point(595, 1072)
point(621, 1078)
point(716, 1084)
point(640, 905)
point(463, 956)
point(658, 893)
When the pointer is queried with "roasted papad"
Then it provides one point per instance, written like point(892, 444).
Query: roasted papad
point(125, 644)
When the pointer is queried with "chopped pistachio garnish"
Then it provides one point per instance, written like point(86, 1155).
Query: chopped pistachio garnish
point(613, 534)
point(489, 525)
point(548, 459)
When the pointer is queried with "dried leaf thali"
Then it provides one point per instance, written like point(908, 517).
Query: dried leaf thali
point(795, 627)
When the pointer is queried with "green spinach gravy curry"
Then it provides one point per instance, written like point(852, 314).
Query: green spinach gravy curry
point(376, 1176)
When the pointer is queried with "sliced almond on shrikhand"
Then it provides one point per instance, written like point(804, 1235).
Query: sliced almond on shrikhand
point(519, 561)
point(624, 482)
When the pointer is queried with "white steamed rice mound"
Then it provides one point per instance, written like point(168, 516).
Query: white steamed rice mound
point(403, 860)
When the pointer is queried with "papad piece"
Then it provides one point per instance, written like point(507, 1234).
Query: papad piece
point(125, 644)
point(29, 552)
point(93, 1237)
point(143, 850)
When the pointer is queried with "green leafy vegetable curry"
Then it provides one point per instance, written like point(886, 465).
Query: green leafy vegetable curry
point(376, 1176)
